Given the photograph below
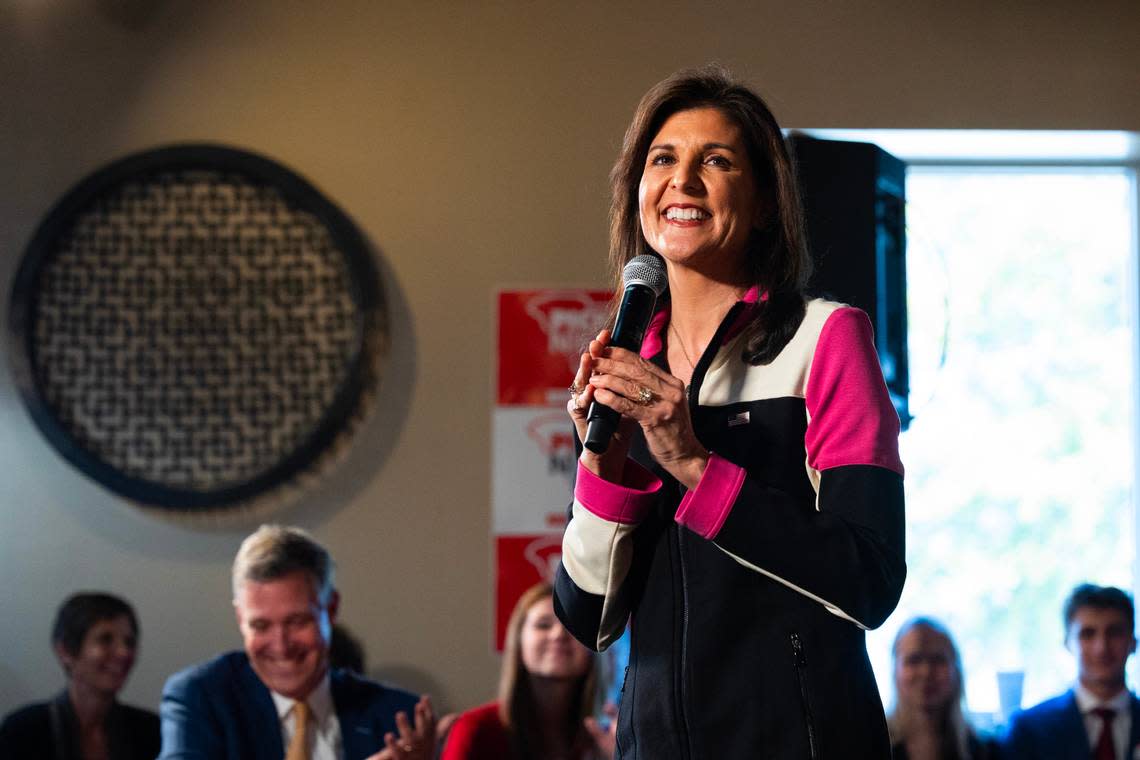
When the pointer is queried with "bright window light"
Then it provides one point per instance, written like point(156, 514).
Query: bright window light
point(1020, 459)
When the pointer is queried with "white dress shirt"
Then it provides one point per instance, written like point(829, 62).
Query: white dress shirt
point(324, 733)
point(1121, 722)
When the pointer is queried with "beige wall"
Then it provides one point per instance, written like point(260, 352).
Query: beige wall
point(471, 143)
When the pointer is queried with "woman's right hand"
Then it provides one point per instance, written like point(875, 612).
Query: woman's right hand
point(610, 465)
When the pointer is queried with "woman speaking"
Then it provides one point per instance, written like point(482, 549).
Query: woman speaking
point(748, 513)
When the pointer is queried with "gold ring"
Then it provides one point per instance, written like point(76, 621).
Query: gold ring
point(644, 397)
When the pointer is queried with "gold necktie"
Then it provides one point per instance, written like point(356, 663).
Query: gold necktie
point(299, 744)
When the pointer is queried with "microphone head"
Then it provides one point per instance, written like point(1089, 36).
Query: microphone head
point(647, 270)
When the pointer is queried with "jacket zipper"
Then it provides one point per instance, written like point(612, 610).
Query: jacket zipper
point(801, 675)
point(692, 392)
point(683, 670)
point(623, 707)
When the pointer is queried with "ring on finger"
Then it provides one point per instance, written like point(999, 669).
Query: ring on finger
point(644, 397)
point(575, 389)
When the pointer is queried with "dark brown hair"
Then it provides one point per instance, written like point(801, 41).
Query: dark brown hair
point(777, 256)
point(516, 700)
point(81, 611)
point(1100, 597)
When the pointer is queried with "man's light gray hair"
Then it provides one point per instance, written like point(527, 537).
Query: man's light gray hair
point(275, 551)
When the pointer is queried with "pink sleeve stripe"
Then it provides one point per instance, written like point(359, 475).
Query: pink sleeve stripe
point(852, 420)
point(705, 508)
point(652, 344)
point(626, 503)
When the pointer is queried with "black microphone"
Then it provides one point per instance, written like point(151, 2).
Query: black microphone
point(645, 280)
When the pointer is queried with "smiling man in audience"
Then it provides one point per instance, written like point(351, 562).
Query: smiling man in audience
point(1099, 718)
point(279, 698)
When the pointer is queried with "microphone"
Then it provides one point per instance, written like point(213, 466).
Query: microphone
point(645, 280)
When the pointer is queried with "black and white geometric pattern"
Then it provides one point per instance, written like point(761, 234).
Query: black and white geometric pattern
point(191, 330)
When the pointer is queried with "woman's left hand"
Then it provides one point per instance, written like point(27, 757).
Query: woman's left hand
point(657, 401)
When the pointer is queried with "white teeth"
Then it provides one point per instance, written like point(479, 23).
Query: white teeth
point(685, 214)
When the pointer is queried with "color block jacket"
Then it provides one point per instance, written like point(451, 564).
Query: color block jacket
point(749, 596)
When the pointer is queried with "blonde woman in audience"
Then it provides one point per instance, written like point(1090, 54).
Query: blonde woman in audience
point(546, 695)
point(928, 721)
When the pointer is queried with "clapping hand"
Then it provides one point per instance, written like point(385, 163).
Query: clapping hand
point(413, 742)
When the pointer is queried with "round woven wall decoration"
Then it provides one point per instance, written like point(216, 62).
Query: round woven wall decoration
point(196, 327)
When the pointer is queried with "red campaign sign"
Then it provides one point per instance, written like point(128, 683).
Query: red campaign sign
point(555, 439)
point(521, 562)
point(542, 334)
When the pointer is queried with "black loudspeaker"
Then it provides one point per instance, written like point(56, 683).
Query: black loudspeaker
point(855, 202)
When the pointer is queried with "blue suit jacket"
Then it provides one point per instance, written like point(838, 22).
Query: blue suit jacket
point(1055, 730)
point(220, 710)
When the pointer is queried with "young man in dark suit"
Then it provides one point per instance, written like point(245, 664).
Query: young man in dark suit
point(279, 698)
point(1099, 718)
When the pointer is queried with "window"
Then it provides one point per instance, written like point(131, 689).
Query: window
point(1021, 457)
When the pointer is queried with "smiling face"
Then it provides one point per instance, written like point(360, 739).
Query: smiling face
point(698, 198)
point(1102, 640)
point(104, 658)
point(924, 670)
point(547, 649)
point(286, 631)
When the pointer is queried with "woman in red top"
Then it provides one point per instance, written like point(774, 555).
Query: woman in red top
point(546, 693)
